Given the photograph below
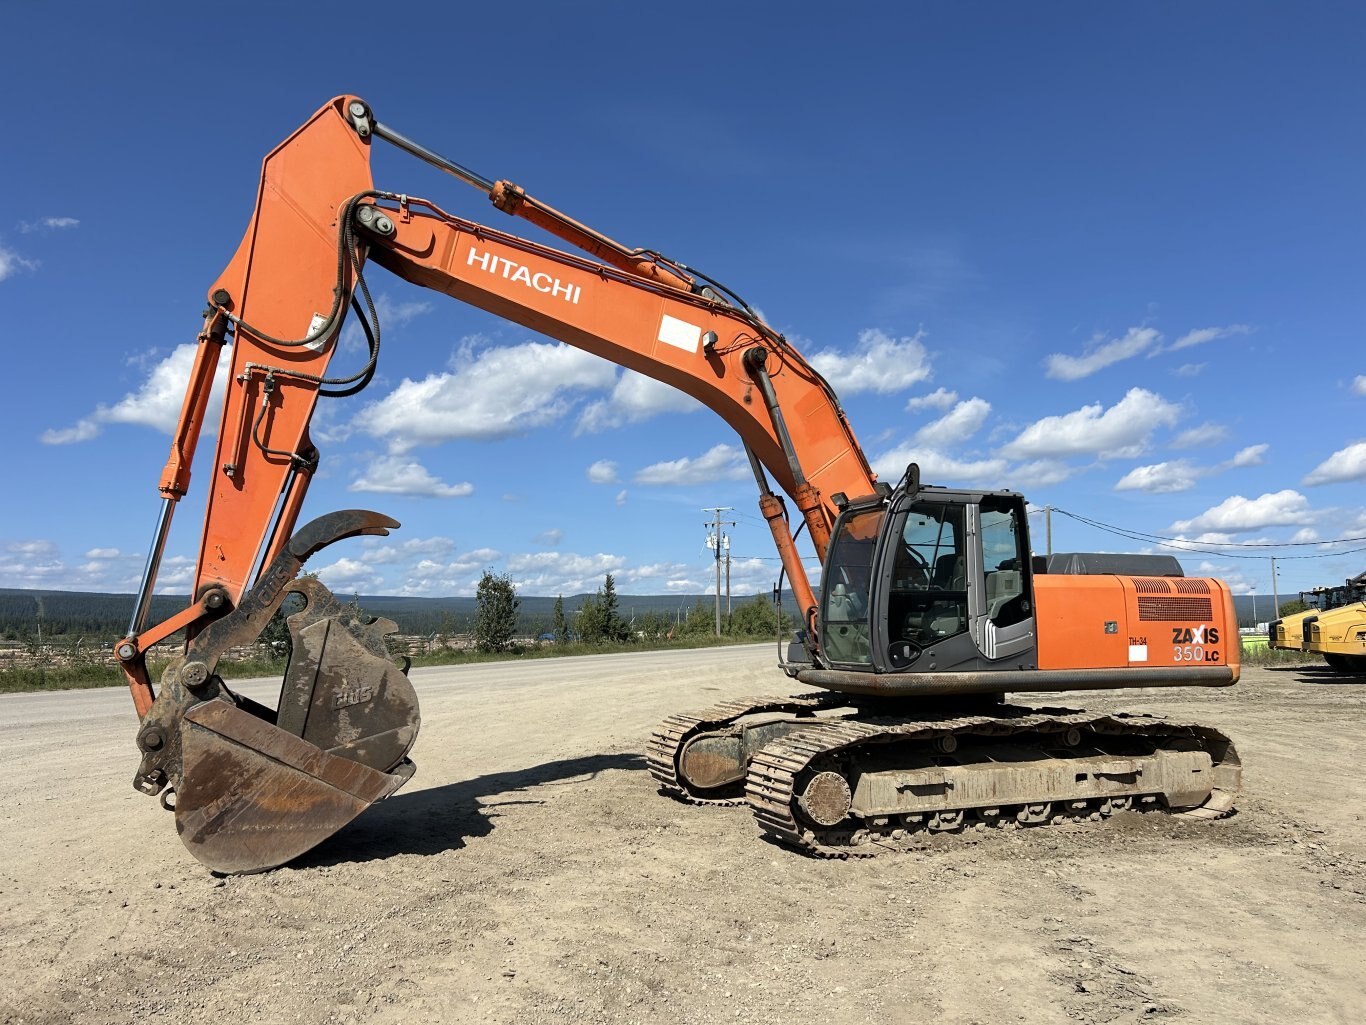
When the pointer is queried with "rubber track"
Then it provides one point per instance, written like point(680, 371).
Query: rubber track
point(771, 783)
point(661, 755)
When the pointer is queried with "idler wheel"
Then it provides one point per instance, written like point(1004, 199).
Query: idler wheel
point(826, 800)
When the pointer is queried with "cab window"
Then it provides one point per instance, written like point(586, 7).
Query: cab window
point(847, 581)
point(928, 599)
point(1004, 559)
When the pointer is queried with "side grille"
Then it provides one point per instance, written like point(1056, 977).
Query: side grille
point(1184, 586)
point(1152, 585)
point(1176, 610)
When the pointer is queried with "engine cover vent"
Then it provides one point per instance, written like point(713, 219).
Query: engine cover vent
point(1175, 610)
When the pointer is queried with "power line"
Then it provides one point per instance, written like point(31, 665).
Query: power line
point(1221, 544)
point(1177, 544)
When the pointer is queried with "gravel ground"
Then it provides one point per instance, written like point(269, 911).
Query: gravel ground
point(532, 873)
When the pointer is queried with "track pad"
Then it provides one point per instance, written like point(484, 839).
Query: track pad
point(255, 797)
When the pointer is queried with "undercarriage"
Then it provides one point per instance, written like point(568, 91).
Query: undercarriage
point(837, 780)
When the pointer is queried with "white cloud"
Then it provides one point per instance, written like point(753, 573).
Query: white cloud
point(37, 563)
point(48, 223)
point(350, 575)
point(955, 427)
point(550, 538)
point(1161, 478)
point(1359, 384)
point(495, 393)
point(721, 462)
point(11, 263)
point(1206, 334)
point(940, 398)
point(1181, 474)
point(155, 404)
point(1304, 535)
point(634, 398)
point(621, 497)
point(562, 572)
point(938, 467)
point(81, 430)
point(879, 363)
point(1100, 354)
point(1237, 514)
point(1103, 352)
point(1343, 465)
point(387, 551)
point(604, 471)
point(1122, 431)
point(37, 548)
point(1198, 437)
point(432, 576)
point(399, 475)
point(1039, 473)
point(1253, 455)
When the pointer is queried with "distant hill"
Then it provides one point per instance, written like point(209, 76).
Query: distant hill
point(93, 614)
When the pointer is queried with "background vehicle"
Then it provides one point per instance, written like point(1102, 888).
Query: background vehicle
point(1287, 633)
point(1339, 635)
point(929, 609)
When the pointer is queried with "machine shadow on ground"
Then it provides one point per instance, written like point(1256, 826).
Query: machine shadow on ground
point(442, 818)
point(1320, 674)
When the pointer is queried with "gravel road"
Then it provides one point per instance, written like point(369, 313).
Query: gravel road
point(531, 872)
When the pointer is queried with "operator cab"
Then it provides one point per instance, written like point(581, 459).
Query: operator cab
point(929, 580)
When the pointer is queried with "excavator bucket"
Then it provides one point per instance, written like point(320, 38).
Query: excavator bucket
point(255, 797)
point(255, 787)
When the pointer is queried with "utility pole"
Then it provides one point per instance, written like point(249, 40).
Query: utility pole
point(726, 540)
point(1048, 526)
point(1275, 593)
point(714, 542)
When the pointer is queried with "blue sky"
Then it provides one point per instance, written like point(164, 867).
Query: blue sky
point(1109, 257)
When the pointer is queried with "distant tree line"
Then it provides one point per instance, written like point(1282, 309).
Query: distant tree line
point(596, 618)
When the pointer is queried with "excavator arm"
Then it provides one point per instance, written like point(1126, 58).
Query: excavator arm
point(280, 304)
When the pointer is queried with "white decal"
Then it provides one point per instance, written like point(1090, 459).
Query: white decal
point(502, 267)
point(1138, 653)
point(679, 333)
point(317, 345)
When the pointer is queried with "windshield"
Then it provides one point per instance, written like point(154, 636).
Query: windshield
point(848, 576)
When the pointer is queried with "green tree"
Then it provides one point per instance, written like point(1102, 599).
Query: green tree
point(588, 621)
point(701, 619)
point(558, 625)
point(495, 620)
point(600, 621)
point(613, 626)
point(653, 626)
point(1289, 608)
point(756, 618)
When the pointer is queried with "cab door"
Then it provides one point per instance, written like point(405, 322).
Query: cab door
point(1002, 608)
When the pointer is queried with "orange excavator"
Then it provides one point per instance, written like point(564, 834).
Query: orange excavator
point(930, 607)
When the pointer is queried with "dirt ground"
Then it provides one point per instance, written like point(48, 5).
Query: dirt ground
point(532, 873)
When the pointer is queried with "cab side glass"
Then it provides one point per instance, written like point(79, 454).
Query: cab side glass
point(928, 600)
point(848, 577)
point(1005, 561)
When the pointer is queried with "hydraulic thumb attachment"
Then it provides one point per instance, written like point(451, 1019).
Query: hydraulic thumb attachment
point(254, 787)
